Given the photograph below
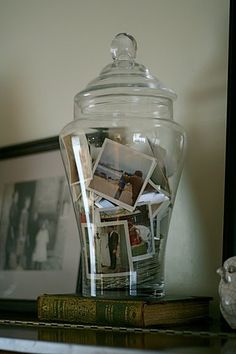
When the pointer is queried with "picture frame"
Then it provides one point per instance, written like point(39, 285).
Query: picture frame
point(229, 227)
point(34, 171)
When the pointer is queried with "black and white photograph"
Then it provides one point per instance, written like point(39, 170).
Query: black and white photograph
point(39, 241)
point(140, 228)
point(107, 249)
point(120, 174)
point(30, 224)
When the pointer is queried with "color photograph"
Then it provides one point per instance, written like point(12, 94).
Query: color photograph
point(107, 249)
point(104, 203)
point(140, 228)
point(121, 174)
point(152, 195)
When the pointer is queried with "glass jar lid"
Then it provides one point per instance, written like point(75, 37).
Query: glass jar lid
point(125, 72)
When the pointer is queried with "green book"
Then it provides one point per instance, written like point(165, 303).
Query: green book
point(74, 308)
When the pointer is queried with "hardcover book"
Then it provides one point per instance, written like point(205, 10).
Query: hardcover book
point(124, 312)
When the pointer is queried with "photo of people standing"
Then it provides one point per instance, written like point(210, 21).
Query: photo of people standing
point(140, 228)
point(12, 230)
point(111, 249)
point(30, 238)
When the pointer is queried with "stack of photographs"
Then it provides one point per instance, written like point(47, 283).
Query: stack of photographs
point(122, 200)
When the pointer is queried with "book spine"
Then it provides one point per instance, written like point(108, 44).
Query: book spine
point(90, 311)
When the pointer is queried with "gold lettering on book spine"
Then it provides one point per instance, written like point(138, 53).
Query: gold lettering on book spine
point(75, 309)
point(65, 308)
point(80, 310)
point(133, 314)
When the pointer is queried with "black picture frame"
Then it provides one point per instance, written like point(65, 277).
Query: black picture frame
point(8, 305)
point(29, 148)
point(229, 230)
point(23, 149)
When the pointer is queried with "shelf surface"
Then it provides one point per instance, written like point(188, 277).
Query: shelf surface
point(31, 336)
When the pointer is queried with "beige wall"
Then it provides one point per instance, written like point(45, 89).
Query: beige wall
point(50, 49)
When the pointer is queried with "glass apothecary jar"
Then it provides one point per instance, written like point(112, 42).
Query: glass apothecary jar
point(123, 156)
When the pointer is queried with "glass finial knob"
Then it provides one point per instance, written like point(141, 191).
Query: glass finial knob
point(124, 47)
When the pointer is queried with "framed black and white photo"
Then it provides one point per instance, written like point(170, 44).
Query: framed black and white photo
point(39, 242)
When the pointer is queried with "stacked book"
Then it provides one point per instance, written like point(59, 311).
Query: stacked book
point(122, 313)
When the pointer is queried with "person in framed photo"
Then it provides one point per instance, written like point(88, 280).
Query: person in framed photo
point(121, 186)
point(136, 181)
point(113, 239)
point(12, 232)
point(23, 236)
point(134, 235)
point(40, 252)
point(97, 244)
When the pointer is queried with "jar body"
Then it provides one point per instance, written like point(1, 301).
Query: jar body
point(123, 228)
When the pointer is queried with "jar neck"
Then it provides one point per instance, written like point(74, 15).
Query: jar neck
point(123, 104)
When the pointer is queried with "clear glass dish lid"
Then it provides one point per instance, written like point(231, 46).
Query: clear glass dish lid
point(125, 80)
